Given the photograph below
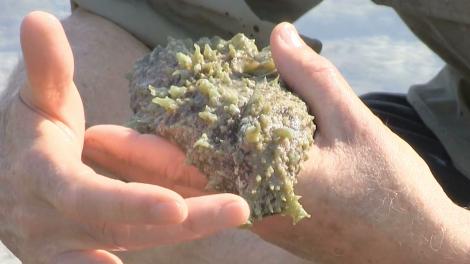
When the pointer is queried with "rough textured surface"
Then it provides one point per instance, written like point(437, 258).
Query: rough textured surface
point(223, 104)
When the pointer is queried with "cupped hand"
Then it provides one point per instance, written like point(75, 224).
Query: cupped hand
point(372, 199)
point(56, 209)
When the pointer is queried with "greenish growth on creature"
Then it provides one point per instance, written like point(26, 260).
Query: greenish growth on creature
point(184, 61)
point(252, 134)
point(284, 132)
point(207, 116)
point(166, 103)
point(177, 91)
point(232, 109)
point(203, 142)
point(223, 103)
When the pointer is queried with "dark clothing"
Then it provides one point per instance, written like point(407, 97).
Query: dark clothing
point(444, 103)
point(397, 113)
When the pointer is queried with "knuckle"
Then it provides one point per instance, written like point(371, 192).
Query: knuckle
point(118, 206)
point(131, 157)
point(122, 211)
point(321, 73)
point(370, 133)
point(176, 171)
point(316, 65)
point(180, 173)
point(191, 228)
point(114, 238)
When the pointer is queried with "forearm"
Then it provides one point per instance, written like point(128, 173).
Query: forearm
point(406, 237)
point(461, 231)
point(413, 212)
point(374, 219)
point(418, 230)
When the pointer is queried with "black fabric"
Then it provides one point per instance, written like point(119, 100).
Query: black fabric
point(395, 111)
point(277, 11)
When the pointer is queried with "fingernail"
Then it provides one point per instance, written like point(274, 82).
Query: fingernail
point(290, 36)
point(170, 212)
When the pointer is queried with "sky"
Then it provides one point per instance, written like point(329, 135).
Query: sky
point(368, 43)
point(11, 13)
point(371, 46)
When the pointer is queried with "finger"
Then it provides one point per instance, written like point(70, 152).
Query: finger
point(49, 64)
point(314, 78)
point(188, 192)
point(207, 214)
point(139, 158)
point(88, 257)
point(88, 196)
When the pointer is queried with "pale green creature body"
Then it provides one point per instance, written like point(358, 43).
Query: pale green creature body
point(222, 102)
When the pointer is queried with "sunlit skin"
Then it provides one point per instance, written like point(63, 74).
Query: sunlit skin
point(56, 209)
point(371, 197)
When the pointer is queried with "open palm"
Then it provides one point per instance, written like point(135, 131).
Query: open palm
point(55, 208)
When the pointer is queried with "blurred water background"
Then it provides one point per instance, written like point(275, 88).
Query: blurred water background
point(369, 43)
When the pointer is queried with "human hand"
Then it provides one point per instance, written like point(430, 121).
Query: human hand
point(372, 199)
point(56, 209)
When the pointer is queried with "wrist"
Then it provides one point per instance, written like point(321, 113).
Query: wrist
point(459, 233)
point(421, 225)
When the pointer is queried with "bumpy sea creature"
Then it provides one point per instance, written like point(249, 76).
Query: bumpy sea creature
point(222, 102)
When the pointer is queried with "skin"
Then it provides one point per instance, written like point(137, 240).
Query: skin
point(372, 199)
point(55, 208)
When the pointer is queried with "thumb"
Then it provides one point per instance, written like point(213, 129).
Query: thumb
point(50, 66)
point(89, 257)
point(316, 80)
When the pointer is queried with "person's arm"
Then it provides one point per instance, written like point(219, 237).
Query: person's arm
point(371, 197)
point(54, 208)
